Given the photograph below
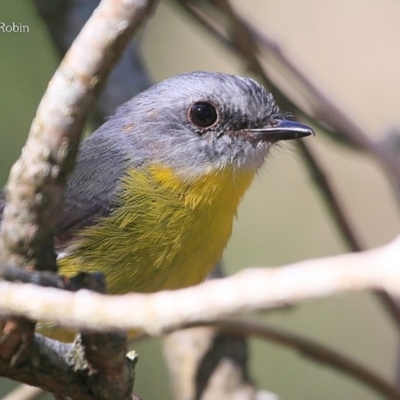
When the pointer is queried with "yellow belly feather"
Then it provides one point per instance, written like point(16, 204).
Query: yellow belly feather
point(166, 234)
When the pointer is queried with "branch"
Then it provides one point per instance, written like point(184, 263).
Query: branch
point(249, 290)
point(314, 350)
point(205, 363)
point(55, 366)
point(36, 182)
point(322, 110)
point(34, 195)
point(334, 205)
point(24, 392)
point(246, 42)
point(64, 20)
point(245, 46)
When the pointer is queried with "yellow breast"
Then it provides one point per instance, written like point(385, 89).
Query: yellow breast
point(167, 232)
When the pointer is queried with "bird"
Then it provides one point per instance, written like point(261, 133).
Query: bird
point(155, 190)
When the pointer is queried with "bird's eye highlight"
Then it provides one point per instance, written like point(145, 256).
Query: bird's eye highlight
point(203, 114)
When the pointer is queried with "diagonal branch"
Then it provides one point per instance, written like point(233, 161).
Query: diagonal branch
point(245, 42)
point(311, 349)
point(245, 46)
point(129, 76)
point(326, 114)
point(35, 192)
point(36, 182)
point(249, 290)
point(24, 392)
point(327, 192)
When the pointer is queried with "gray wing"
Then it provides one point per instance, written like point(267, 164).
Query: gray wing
point(92, 189)
point(93, 186)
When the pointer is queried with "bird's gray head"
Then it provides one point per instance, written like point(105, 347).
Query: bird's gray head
point(201, 121)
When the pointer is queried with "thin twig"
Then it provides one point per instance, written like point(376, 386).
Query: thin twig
point(245, 39)
point(326, 110)
point(342, 221)
point(244, 44)
point(247, 48)
point(312, 349)
point(339, 216)
point(323, 108)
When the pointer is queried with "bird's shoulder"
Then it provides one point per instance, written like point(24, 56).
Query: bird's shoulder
point(92, 189)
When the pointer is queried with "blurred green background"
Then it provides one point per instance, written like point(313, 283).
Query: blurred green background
point(351, 50)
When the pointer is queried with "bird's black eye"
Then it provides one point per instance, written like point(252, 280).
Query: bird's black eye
point(203, 114)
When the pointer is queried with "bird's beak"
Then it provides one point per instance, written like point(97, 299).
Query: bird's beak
point(281, 129)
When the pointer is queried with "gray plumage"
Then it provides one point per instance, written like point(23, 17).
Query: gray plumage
point(154, 128)
point(131, 137)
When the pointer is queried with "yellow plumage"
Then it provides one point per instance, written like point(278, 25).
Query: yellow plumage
point(167, 233)
point(153, 196)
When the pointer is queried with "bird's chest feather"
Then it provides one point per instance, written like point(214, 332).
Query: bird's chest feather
point(167, 233)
